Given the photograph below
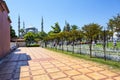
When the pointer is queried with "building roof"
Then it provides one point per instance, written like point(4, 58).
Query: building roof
point(4, 6)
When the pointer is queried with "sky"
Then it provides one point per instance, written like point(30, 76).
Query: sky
point(75, 12)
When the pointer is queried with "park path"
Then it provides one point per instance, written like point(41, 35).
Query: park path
point(41, 64)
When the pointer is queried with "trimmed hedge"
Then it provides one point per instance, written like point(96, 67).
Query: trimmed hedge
point(33, 45)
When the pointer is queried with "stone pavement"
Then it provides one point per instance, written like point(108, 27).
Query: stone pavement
point(42, 64)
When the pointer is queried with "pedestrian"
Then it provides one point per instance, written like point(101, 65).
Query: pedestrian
point(114, 43)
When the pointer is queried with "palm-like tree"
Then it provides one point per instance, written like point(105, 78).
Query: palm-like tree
point(67, 27)
point(114, 24)
point(91, 31)
point(73, 37)
point(74, 27)
point(111, 26)
point(56, 28)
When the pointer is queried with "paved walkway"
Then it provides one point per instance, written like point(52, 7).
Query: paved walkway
point(41, 64)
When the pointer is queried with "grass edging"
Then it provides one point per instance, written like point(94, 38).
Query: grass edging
point(110, 63)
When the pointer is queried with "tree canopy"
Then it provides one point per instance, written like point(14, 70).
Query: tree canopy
point(56, 28)
point(91, 30)
point(29, 38)
point(12, 33)
point(114, 23)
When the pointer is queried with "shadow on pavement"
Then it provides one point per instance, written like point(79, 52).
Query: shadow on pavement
point(11, 64)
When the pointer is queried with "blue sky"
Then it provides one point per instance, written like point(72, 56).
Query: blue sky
point(78, 12)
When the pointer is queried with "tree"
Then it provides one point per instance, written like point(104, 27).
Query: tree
point(56, 28)
point(91, 31)
point(74, 27)
point(66, 27)
point(80, 36)
point(73, 37)
point(42, 35)
point(29, 38)
point(12, 33)
point(22, 31)
point(114, 24)
point(62, 36)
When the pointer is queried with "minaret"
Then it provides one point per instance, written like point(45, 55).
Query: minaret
point(65, 22)
point(19, 26)
point(23, 25)
point(42, 25)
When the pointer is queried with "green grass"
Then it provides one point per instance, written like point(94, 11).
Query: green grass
point(110, 45)
point(113, 64)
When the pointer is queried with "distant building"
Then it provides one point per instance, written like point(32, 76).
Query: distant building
point(42, 27)
point(4, 29)
point(31, 29)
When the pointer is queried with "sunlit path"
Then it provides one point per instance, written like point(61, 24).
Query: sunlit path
point(41, 64)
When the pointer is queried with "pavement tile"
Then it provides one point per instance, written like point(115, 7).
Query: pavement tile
point(37, 72)
point(117, 78)
point(8, 71)
point(25, 78)
point(45, 63)
point(49, 66)
point(41, 77)
point(22, 63)
point(57, 75)
point(87, 65)
point(34, 64)
point(81, 77)
point(2, 75)
point(11, 67)
point(72, 72)
point(65, 68)
point(108, 73)
point(52, 70)
point(94, 68)
point(70, 63)
point(7, 76)
point(64, 61)
point(60, 65)
point(64, 79)
point(55, 62)
point(24, 74)
point(36, 68)
point(15, 79)
point(109, 79)
point(76, 66)
point(85, 70)
point(16, 75)
point(17, 70)
point(96, 76)
point(24, 68)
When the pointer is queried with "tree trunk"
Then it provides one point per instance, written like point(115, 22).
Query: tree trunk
point(112, 35)
point(80, 47)
point(73, 46)
point(62, 45)
point(104, 46)
point(45, 44)
point(90, 48)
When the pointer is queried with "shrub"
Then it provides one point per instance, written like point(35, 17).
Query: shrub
point(33, 45)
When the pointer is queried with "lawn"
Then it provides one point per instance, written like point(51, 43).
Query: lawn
point(109, 45)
